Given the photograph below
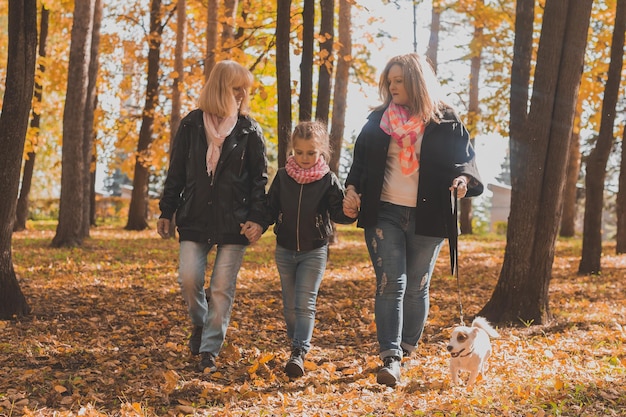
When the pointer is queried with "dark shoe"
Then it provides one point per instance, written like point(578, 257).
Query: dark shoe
point(195, 340)
point(295, 364)
point(389, 374)
point(207, 363)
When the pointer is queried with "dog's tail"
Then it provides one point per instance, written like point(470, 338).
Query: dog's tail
point(482, 323)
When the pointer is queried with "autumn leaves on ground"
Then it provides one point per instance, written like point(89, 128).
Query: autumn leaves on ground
point(108, 335)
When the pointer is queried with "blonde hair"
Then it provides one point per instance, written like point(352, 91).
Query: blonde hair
point(216, 96)
point(420, 83)
point(315, 131)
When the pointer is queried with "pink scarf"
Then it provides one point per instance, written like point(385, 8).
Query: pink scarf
point(305, 176)
point(216, 132)
point(408, 134)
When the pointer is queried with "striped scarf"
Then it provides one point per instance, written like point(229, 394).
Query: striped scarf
point(408, 134)
point(305, 176)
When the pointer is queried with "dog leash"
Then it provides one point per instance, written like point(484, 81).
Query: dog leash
point(454, 250)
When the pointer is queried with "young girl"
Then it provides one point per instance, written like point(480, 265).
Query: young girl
point(303, 198)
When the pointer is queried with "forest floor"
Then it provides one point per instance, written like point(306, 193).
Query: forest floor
point(108, 337)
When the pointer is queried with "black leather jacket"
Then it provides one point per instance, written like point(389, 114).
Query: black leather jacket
point(446, 153)
point(302, 212)
point(211, 209)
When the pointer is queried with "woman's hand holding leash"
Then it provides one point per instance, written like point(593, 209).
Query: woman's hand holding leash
point(460, 184)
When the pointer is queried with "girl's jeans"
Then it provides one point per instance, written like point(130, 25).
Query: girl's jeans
point(215, 315)
point(300, 277)
point(404, 263)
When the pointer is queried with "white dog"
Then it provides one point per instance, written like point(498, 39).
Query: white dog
point(470, 348)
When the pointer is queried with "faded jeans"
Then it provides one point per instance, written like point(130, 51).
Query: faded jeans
point(300, 278)
point(213, 316)
point(404, 263)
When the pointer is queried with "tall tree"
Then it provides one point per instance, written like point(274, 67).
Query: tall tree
point(342, 74)
point(570, 192)
point(538, 162)
point(476, 50)
point(88, 130)
point(597, 159)
point(305, 99)
point(620, 203)
point(29, 165)
point(433, 40)
point(283, 78)
point(18, 93)
point(178, 81)
point(211, 36)
point(138, 209)
point(326, 59)
point(228, 25)
point(69, 228)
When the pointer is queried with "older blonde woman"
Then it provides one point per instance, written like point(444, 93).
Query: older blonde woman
point(216, 186)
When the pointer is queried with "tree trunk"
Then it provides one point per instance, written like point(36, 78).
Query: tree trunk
point(138, 209)
point(305, 100)
point(476, 50)
point(342, 79)
point(178, 82)
point(69, 229)
point(211, 36)
point(324, 88)
point(597, 160)
point(90, 107)
point(620, 203)
point(570, 194)
point(29, 165)
point(433, 40)
point(538, 163)
point(283, 78)
point(228, 26)
point(18, 93)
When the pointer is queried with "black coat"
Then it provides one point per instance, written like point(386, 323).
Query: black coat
point(211, 208)
point(302, 212)
point(446, 153)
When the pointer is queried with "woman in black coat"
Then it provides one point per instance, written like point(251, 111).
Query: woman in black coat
point(411, 154)
point(216, 186)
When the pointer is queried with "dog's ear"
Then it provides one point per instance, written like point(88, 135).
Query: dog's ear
point(475, 331)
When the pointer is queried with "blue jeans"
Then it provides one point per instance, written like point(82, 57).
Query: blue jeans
point(300, 277)
point(404, 263)
point(214, 316)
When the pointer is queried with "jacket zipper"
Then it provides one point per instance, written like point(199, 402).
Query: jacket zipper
point(243, 155)
point(319, 222)
point(298, 219)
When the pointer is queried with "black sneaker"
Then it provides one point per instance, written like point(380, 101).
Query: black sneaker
point(389, 374)
point(295, 365)
point(195, 340)
point(207, 362)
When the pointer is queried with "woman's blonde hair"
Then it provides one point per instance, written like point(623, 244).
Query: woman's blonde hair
point(315, 131)
point(420, 83)
point(216, 96)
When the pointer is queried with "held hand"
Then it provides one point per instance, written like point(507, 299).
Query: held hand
point(251, 230)
point(460, 184)
point(163, 228)
point(352, 200)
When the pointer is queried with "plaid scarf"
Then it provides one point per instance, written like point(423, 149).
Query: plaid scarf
point(408, 134)
point(305, 176)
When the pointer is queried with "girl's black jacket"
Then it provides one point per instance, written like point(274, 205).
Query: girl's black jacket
point(446, 153)
point(211, 208)
point(302, 212)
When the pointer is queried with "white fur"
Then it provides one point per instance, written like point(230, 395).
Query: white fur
point(470, 347)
